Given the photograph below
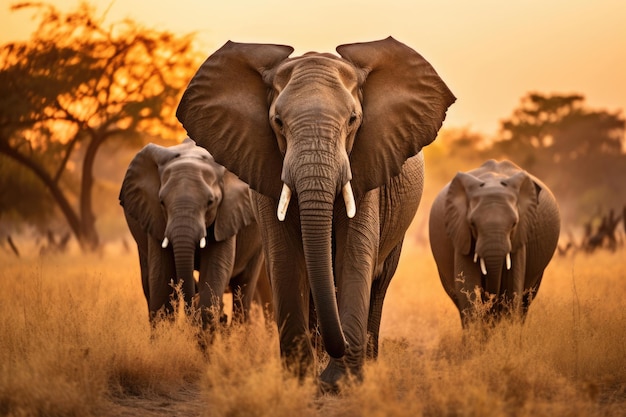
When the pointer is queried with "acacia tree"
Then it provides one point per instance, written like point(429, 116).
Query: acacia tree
point(561, 128)
point(77, 84)
point(578, 151)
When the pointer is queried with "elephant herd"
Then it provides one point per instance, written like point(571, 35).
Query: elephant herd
point(314, 174)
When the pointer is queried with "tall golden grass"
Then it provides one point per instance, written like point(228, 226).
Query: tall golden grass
point(75, 341)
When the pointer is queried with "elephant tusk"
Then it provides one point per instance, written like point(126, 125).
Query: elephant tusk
point(475, 257)
point(508, 261)
point(348, 197)
point(165, 242)
point(203, 243)
point(483, 268)
point(283, 202)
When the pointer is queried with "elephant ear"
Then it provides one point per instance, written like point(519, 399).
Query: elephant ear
point(404, 105)
point(139, 194)
point(225, 109)
point(456, 206)
point(527, 202)
point(235, 211)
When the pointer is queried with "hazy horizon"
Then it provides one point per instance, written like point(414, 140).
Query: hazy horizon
point(490, 53)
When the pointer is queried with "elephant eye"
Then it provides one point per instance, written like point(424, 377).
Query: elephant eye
point(352, 119)
point(278, 121)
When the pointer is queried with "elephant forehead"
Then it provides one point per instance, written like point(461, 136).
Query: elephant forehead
point(494, 192)
point(190, 168)
point(491, 177)
point(315, 67)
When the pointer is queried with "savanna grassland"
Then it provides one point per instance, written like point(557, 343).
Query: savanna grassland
point(75, 341)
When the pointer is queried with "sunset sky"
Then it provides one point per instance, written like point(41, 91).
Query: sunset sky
point(489, 52)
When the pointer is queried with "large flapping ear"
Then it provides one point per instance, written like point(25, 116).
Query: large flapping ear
point(404, 105)
point(527, 201)
point(139, 194)
point(235, 210)
point(457, 204)
point(225, 109)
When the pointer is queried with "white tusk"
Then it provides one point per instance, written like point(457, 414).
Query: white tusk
point(283, 202)
point(348, 197)
point(165, 242)
point(203, 243)
point(508, 261)
point(483, 268)
point(475, 257)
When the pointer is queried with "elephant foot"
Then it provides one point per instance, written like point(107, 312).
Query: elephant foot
point(337, 375)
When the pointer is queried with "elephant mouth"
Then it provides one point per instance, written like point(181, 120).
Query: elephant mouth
point(483, 265)
point(285, 198)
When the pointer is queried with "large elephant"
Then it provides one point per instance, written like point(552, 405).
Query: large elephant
point(303, 131)
point(187, 212)
point(496, 228)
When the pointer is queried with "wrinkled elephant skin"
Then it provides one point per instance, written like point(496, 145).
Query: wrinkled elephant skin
point(494, 228)
point(187, 212)
point(330, 146)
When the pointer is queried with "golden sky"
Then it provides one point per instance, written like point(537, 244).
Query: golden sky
point(489, 52)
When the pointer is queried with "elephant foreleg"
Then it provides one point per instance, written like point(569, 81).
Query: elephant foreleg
point(216, 267)
point(467, 287)
point(161, 273)
point(285, 266)
point(357, 245)
point(243, 286)
point(379, 290)
point(247, 271)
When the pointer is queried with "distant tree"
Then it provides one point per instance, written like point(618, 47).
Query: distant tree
point(77, 84)
point(580, 152)
point(560, 128)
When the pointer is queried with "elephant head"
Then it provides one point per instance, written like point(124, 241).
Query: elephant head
point(317, 127)
point(491, 213)
point(181, 197)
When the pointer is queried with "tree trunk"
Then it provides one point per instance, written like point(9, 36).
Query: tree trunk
point(70, 215)
point(88, 218)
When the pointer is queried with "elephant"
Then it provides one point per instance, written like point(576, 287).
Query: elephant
point(331, 148)
point(494, 228)
point(186, 212)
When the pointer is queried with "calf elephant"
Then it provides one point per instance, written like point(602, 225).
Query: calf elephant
point(186, 213)
point(331, 147)
point(496, 228)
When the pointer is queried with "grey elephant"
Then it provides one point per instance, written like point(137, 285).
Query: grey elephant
point(186, 212)
point(330, 146)
point(494, 228)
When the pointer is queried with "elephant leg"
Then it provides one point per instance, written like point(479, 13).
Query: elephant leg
point(160, 276)
point(244, 287)
point(216, 267)
point(144, 267)
point(467, 287)
point(263, 294)
point(285, 266)
point(357, 244)
point(529, 296)
point(141, 238)
point(291, 290)
point(377, 297)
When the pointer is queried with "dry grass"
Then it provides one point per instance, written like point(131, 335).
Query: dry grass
point(75, 341)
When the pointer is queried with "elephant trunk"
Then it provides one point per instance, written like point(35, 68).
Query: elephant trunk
point(316, 215)
point(493, 280)
point(184, 247)
point(493, 249)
